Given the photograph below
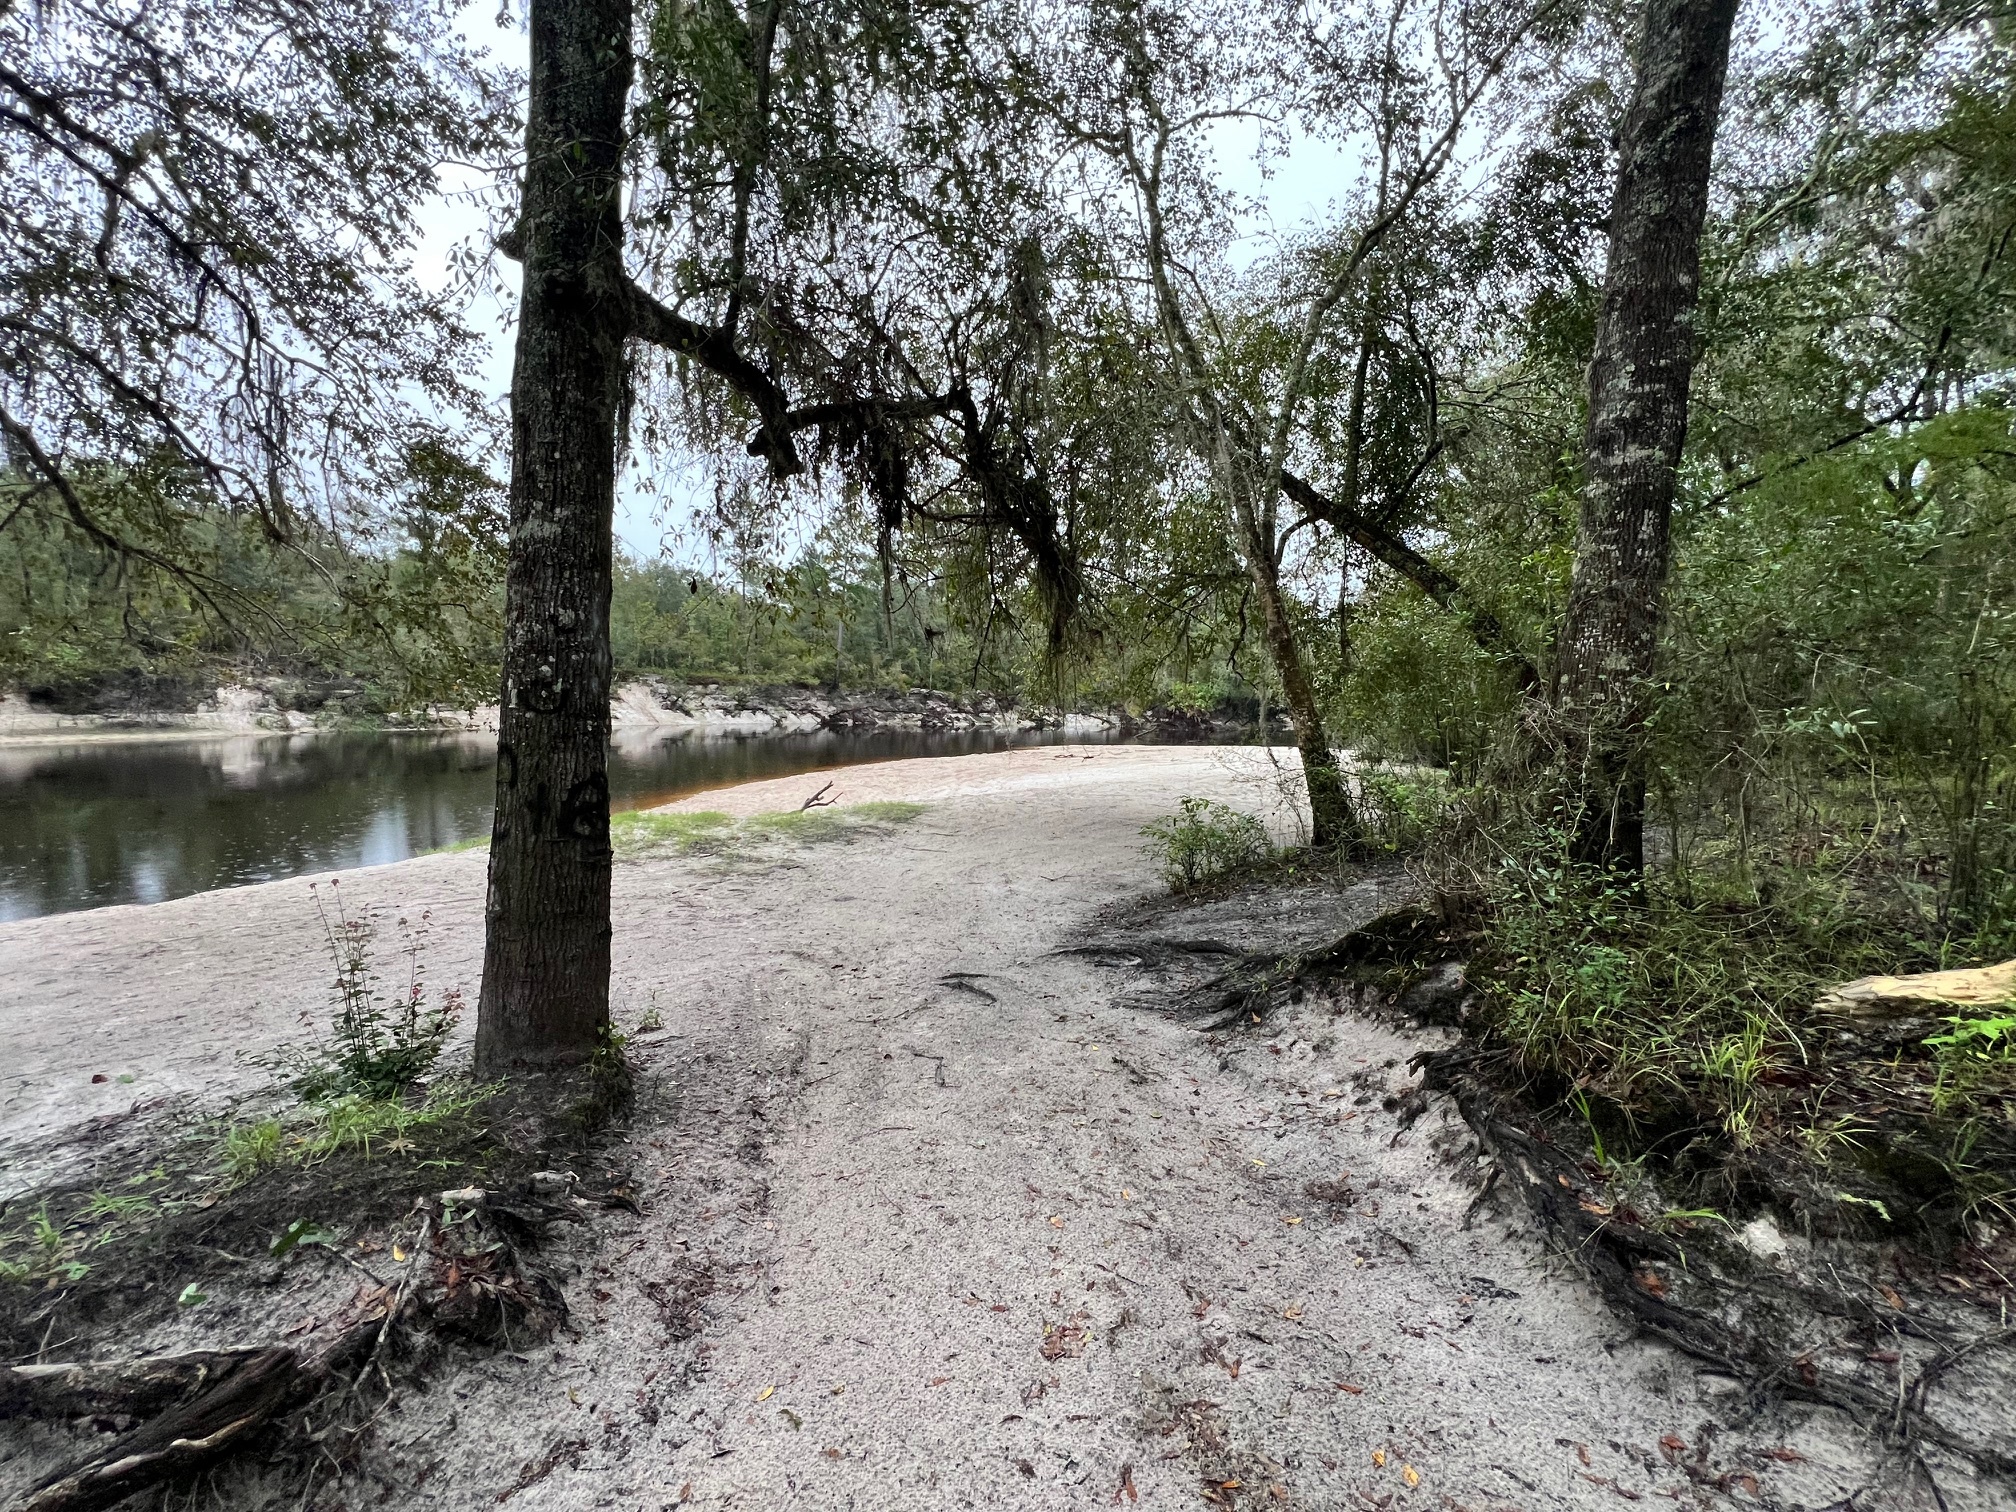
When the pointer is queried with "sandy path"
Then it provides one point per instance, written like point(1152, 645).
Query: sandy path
point(932, 1217)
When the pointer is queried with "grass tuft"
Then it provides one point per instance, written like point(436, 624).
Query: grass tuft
point(641, 833)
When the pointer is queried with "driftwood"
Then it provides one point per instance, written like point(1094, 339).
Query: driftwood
point(250, 1394)
point(121, 1388)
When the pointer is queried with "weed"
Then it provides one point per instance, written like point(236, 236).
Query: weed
point(1972, 1055)
point(1205, 840)
point(636, 834)
point(52, 1251)
point(371, 1126)
point(355, 1123)
point(799, 824)
point(251, 1147)
point(301, 1231)
point(611, 1085)
point(380, 1041)
point(118, 1205)
point(884, 811)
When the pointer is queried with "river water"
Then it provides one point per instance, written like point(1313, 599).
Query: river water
point(83, 825)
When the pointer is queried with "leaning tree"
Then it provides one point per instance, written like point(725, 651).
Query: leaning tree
point(1638, 388)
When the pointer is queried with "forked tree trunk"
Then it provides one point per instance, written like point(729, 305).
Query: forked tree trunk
point(545, 997)
point(1638, 381)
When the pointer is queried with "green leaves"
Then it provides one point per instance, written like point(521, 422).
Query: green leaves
point(300, 1231)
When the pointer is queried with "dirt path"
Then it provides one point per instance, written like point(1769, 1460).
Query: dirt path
point(938, 1210)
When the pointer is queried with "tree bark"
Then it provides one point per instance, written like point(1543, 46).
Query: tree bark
point(1638, 383)
point(545, 996)
point(1332, 820)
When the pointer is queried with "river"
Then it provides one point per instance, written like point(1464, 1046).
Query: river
point(86, 824)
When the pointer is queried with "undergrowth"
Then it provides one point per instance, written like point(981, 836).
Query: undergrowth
point(1206, 839)
point(1674, 1015)
point(380, 1040)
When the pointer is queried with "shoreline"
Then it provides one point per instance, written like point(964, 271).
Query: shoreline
point(641, 703)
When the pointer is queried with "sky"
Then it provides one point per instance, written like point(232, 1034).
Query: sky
point(1297, 187)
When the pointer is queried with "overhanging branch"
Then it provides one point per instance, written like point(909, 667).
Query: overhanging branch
point(715, 351)
point(1417, 569)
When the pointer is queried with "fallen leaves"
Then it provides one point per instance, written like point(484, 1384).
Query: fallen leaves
point(1410, 1475)
point(766, 1393)
point(1379, 1458)
point(1056, 1220)
point(1292, 1312)
point(1126, 1485)
point(1062, 1341)
point(1346, 1386)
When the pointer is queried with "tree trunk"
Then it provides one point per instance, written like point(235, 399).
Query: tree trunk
point(1332, 823)
point(1638, 383)
point(545, 998)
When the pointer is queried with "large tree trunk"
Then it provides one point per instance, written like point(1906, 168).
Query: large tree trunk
point(1638, 382)
point(545, 998)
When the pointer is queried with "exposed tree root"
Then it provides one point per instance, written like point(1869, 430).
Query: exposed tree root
point(465, 1278)
point(135, 1388)
point(198, 1434)
point(1782, 1333)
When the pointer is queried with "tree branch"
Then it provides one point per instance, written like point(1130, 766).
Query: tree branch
point(1439, 585)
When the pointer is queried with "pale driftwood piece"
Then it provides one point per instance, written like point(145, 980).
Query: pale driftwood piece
point(138, 1388)
point(1931, 994)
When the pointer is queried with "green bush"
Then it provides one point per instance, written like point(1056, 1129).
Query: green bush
point(1399, 809)
point(1206, 840)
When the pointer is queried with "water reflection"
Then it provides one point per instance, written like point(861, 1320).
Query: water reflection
point(83, 825)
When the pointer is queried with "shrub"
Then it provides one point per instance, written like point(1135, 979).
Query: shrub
point(1398, 809)
point(1206, 840)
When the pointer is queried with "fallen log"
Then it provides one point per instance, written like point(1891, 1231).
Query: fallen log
point(251, 1393)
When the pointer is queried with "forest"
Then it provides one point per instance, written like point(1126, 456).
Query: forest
point(1610, 476)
